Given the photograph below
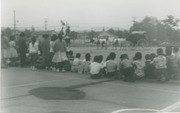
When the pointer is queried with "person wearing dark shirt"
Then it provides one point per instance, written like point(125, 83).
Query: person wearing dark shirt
point(22, 49)
point(45, 48)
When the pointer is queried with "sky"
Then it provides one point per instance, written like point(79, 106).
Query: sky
point(84, 14)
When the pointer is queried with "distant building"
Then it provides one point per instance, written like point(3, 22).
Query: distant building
point(106, 35)
point(50, 32)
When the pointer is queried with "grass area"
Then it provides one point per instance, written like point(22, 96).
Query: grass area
point(93, 51)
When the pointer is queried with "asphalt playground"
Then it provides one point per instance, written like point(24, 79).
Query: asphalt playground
point(43, 91)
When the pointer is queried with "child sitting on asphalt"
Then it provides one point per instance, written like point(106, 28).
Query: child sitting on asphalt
point(76, 65)
point(149, 68)
point(86, 64)
point(103, 65)
point(126, 68)
point(111, 66)
point(96, 68)
point(138, 65)
point(160, 66)
point(70, 56)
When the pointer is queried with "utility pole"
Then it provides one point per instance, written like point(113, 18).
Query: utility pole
point(45, 23)
point(14, 23)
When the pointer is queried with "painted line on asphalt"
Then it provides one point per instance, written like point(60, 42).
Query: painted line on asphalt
point(166, 109)
point(169, 91)
point(135, 109)
point(36, 83)
point(171, 107)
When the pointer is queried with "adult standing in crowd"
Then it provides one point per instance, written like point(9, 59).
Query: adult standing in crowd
point(45, 49)
point(22, 49)
point(4, 49)
point(53, 39)
point(60, 53)
point(12, 50)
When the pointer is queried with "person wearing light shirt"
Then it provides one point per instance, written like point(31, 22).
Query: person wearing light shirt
point(76, 65)
point(95, 68)
point(33, 52)
point(160, 63)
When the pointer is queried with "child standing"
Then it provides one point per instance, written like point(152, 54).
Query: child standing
point(98, 44)
point(76, 65)
point(138, 65)
point(172, 65)
point(22, 49)
point(125, 66)
point(111, 66)
point(95, 68)
point(45, 47)
point(160, 66)
point(53, 39)
point(12, 51)
point(33, 52)
point(176, 56)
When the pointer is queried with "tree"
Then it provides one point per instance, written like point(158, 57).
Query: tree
point(27, 33)
point(8, 32)
point(165, 30)
point(73, 35)
point(171, 28)
point(92, 34)
point(111, 31)
point(171, 21)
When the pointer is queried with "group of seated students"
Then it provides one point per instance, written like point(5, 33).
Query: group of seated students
point(162, 67)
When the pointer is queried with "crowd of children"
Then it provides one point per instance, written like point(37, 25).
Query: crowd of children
point(162, 67)
point(53, 54)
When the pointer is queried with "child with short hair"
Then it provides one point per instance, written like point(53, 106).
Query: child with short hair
point(67, 65)
point(138, 65)
point(33, 52)
point(76, 65)
point(86, 64)
point(111, 66)
point(103, 65)
point(96, 68)
point(160, 66)
point(149, 68)
point(126, 68)
point(70, 56)
point(152, 56)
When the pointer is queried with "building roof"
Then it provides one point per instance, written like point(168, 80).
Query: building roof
point(107, 34)
point(138, 32)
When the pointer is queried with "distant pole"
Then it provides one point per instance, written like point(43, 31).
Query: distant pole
point(45, 23)
point(14, 23)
